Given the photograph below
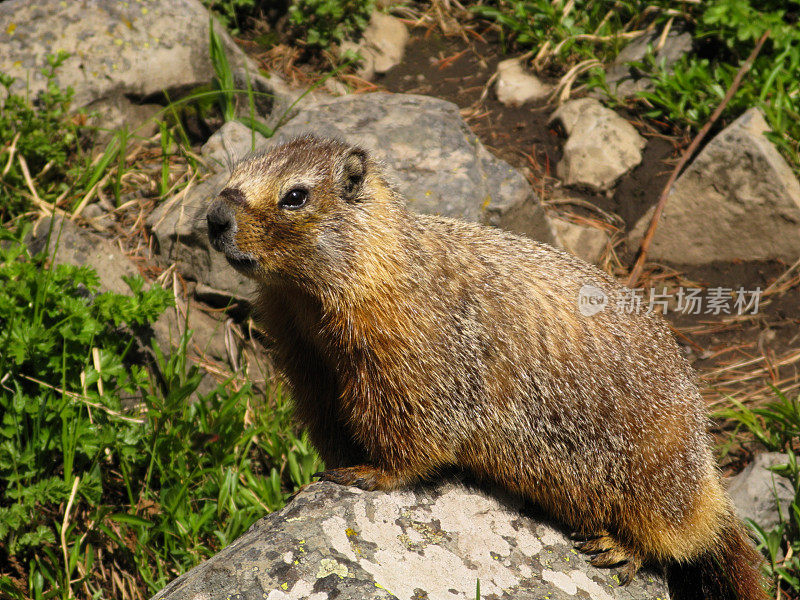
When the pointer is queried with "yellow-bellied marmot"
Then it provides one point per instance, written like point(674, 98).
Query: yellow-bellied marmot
point(415, 342)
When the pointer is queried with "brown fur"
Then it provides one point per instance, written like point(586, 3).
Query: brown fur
point(415, 342)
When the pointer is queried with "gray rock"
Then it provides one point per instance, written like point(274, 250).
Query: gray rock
point(112, 113)
point(757, 492)
point(625, 81)
point(69, 244)
point(583, 241)
point(437, 163)
point(229, 144)
point(133, 49)
point(737, 200)
point(179, 227)
point(601, 146)
point(433, 542)
point(515, 86)
point(382, 45)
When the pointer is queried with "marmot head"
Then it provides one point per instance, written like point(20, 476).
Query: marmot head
point(292, 213)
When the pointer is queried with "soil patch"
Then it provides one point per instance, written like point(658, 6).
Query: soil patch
point(773, 331)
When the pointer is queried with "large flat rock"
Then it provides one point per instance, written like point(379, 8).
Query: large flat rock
point(433, 542)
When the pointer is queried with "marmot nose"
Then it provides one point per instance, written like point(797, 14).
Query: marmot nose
point(220, 221)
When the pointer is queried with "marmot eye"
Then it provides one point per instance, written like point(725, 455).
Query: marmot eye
point(294, 198)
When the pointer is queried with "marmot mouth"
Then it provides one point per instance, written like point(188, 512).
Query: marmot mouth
point(242, 263)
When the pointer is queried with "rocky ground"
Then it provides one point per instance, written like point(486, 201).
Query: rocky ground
point(466, 137)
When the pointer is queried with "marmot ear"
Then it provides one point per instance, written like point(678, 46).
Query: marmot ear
point(353, 173)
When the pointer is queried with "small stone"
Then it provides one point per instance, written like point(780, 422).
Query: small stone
point(382, 45)
point(515, 86)
point(601, 147)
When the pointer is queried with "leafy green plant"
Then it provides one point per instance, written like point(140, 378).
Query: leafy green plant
point(106, 462)
point(320, 23)
point(777, 426)
point(62, 354)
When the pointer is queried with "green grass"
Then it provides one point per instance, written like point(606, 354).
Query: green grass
point(530, 24)
point(103, 460)
point(727, 30)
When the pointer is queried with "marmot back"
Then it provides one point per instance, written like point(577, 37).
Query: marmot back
point(414, 343)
